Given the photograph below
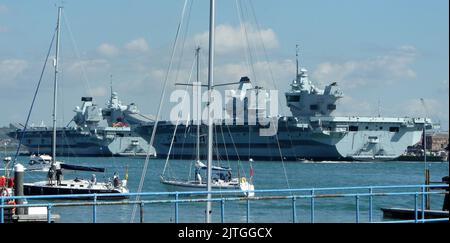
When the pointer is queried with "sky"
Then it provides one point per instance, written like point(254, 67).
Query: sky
point(385, 55)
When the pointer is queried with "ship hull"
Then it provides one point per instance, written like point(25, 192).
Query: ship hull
point(73, 142)
point(314, 139)
point(237, 143)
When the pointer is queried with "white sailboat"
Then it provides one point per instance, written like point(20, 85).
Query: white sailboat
point(218, 178)
point(77, 185)
point(221, 180)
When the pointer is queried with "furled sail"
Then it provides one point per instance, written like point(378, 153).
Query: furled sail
point(81, 168)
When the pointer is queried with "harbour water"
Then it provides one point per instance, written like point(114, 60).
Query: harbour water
point(267, 175)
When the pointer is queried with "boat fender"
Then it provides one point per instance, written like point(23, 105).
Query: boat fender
point(12, 202)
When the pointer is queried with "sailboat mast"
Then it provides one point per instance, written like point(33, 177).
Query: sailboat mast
point(197, 53)
point(210, 119)
point(55, 86)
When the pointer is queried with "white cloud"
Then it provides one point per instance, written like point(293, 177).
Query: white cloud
point(108, 50)
point(90, 66)
point(138, 45)
point(432, 108)
point(98, 91)
point(270, 75)
point(232, 72)
point(393, 66)
point(158, 74)
point(232, 39)
point(444, 88)
point(10, 69)
point(350, 106)
point(3, 9)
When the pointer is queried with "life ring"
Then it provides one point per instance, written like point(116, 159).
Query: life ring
point(243, 180)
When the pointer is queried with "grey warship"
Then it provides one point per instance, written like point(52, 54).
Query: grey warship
point(87, 137)
point(311, 133)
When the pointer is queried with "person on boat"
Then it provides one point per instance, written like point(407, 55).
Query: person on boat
point(59, 175)
point(93, 179)
point(222, 176)
point(228, 176)
point(198, 177)
point(116, 180)
point(51, 174)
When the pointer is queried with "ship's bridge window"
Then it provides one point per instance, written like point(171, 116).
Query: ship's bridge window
point(367, 128)
point(331, 107)
point(314, 107)
point(353, 128)
point(394, 129)
point(381, 128)
point(293, 98)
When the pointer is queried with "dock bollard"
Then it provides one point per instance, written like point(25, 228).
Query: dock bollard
point(18, 186)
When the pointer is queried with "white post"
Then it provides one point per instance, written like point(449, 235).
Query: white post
point(18, 186)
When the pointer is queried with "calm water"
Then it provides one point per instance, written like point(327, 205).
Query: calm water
point(267, 175)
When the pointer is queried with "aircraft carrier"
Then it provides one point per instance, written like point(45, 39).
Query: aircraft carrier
point(88, 137)
point(310, 133)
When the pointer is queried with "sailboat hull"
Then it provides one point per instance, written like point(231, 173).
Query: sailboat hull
point(42, 188)
point(191, 186)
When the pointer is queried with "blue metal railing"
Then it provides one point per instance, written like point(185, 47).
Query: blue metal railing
point(313, 194)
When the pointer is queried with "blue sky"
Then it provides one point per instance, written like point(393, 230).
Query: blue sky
point(387, 52)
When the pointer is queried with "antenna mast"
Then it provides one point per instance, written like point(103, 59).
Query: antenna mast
point(296, 55)
point(110, 83)
point(379, 108)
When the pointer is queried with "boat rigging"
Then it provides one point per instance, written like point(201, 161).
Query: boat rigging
point(77, 185)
